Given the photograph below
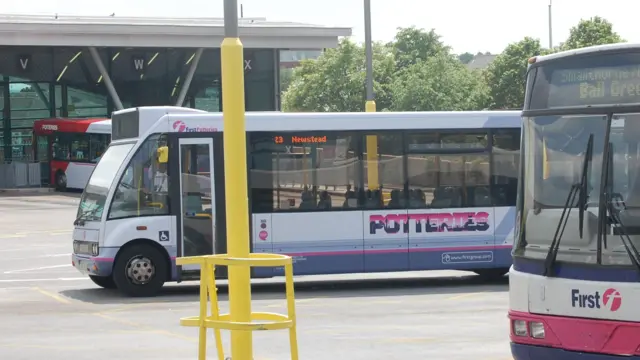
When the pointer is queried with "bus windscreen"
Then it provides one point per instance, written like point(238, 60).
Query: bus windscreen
point(612, 79)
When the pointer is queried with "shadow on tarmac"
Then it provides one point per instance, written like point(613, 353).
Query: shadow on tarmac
point(308, 289)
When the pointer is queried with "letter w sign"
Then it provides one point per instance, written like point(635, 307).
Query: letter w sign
point(138, 63)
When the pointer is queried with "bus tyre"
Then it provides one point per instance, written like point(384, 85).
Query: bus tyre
point(140, 271)
point(103, 281)
point(61, 181)
point(492, 274)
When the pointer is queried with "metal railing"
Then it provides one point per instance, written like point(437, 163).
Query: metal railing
point(18, 174)
point(209, 316)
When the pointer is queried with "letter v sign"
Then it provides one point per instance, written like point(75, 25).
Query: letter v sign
point(24, 63)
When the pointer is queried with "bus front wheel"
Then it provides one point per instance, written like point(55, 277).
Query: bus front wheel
point(140, 271)
point(61, 181)
point(103, 281)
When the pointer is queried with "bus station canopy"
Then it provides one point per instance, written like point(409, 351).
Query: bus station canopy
point(114, 31)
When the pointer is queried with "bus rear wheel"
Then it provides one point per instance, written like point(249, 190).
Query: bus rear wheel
point(492, 274)
point(103, 281)
point(140, 271)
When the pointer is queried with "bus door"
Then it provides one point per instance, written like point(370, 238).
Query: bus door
point(43, 155)
point(196, 223)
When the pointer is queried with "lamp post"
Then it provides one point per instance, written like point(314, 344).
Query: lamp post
point(235, 165)
point(370, 105)
point(550, 27)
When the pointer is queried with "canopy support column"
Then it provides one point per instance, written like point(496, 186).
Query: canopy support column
point(187, 81)
point(105, 76)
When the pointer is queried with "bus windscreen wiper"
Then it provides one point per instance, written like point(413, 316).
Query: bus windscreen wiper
point(80, 219)
point(629, 247)
point(581, 188)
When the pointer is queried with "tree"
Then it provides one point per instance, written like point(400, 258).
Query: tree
point(438, 83)
point(336, 80)
point(505, 76)
point(466, 57)
point(594, 31)
point(412, 45)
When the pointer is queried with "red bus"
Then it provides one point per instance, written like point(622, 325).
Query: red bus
point(69, 149)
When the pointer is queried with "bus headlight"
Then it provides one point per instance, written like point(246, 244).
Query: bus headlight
point(536, 329)
point(520, 327)
point(95, 249)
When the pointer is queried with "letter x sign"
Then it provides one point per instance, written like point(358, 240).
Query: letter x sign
point(247, 65)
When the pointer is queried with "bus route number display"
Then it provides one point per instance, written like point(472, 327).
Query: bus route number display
point(299, 139)
point(595, 86)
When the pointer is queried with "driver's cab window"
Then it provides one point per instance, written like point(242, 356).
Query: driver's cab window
point(144, 185)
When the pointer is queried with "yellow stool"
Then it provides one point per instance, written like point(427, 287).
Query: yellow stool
point(259, 320)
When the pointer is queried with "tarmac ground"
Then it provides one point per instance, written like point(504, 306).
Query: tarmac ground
point(49, 311)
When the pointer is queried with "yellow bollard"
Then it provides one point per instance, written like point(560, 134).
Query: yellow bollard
point(257, 320)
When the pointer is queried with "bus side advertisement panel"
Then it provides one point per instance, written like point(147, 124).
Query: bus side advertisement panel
point(320, 242)
point(440, 238)
point(386, 240)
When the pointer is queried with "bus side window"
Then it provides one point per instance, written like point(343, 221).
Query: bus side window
point(136, 195)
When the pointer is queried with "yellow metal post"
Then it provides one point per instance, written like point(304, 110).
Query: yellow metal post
point(370, 106)
point(372, 153)
point(235, 165)
point(238, 259)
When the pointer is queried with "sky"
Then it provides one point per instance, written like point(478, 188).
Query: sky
point(465, 25)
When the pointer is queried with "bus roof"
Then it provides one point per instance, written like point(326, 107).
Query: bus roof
point(353, 121)
point(588, 50)
point(133, 123)
point(49, 126)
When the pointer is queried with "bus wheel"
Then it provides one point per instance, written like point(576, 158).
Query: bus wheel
point(103, 281)
point(492, 274)
point(140, 271)
point(61, 181)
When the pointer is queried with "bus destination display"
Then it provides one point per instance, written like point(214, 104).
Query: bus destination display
point(595, 86)
point(289, 139)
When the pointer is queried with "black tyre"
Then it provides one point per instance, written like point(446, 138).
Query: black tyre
point(492, 273)
point(103, 281)
point(140, 271)
point(60, 181)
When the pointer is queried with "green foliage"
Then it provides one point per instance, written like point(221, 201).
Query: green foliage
point(417, 72)
point(506, 74)
point(336, 81)
point(466, 57)
point(595, 31)
point(437, 84)
point(412, 45)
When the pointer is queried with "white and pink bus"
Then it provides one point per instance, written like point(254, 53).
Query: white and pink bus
point(72, 147)
point(340, 192)
point(574, 282)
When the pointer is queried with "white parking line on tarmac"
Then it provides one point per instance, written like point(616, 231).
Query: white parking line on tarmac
point(34, 247)
point(42, 280)
point(37, 257)
point(37, 268)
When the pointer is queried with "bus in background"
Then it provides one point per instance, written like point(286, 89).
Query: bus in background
point(574, 282)
point(68, 149)
point(340, 192)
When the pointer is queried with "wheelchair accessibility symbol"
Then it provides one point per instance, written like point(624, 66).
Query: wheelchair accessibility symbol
point(163, 235)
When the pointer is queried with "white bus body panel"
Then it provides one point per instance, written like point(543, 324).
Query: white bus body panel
point(555, 296)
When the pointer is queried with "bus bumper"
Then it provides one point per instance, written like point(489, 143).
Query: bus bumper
point(532, 352)
point(90, 265)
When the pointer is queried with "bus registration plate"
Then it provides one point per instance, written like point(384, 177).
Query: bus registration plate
point(84, 248)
